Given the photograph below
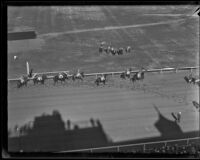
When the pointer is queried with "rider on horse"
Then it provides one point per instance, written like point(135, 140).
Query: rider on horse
point(22, 79)
point(102, 43)
point(60, 76)
point(78, 74)
point(128, 72)
point(39, 78)
point(103, 78)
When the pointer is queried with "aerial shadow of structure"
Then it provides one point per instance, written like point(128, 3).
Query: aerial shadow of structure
point(48, 134)
point(166, 127)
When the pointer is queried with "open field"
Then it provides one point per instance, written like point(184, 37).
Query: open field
point(170, 41)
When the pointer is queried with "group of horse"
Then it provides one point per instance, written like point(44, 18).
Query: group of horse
point(62, 77)
point(192, 80)
point(135, 77)
point(40, 79)
point(112, 50)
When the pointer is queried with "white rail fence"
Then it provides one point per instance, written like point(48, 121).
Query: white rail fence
point(143, 146)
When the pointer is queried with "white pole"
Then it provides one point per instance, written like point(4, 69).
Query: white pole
point(27, 68)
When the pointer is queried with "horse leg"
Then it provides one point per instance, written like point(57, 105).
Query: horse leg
point(18, 85)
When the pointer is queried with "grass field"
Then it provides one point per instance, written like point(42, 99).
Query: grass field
point(162, 45)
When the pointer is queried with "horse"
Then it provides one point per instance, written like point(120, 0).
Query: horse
point(30, 73)
point(102, 43)
point(107, 50)
point(126, 74)
point(186, 79)
point(100, 49)
point(101, 79)
point(39, 79)
point(140, 75)
point(22, 81)
point(128, 49)
point(78, 76)
point(120, 51)
point(137, 76)
point(123, 75)
point(113, 51)
point(190, 79)
point(133, 78)
point(60, 77)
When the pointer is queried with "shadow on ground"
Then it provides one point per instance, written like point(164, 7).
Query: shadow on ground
point(48, 133)
point(169, 130)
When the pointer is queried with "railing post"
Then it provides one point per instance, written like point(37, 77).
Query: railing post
point(117, 148)
point(91, 150)
point(165, 144)
point(144, 148)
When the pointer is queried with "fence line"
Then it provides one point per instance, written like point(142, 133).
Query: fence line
point(117, 147)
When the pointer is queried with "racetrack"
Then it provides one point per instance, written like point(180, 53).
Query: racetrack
point(126, 112)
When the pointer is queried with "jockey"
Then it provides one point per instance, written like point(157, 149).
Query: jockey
point(139, 74)
point(60, 75)
point(190, 76)
point(179, 116)
point(102, 43)
point(39, 78)
point(22, 79)
point(128, 72)
point(78, 74)
point(103, 78)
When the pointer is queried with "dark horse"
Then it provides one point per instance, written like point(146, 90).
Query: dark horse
point(78, 76)
point(128, 49)
point(22, 81)
point(100, 49)
point(60, 77)
point(101, 79)
point(190, 80)
point(126, 74)
point(137, 76)
point(39, 79)
point(120, 51)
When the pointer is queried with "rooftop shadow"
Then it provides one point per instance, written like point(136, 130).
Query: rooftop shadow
point(166, 127)
point(169, 130)
point(48, 134)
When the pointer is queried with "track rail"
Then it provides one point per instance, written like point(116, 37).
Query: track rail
point(117, 148)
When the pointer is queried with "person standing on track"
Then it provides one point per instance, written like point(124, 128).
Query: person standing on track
point(179, 117)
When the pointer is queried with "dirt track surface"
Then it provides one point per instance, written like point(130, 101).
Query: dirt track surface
point(126, 112)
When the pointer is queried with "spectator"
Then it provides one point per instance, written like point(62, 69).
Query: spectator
point(92, 122)
point(68, 124)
